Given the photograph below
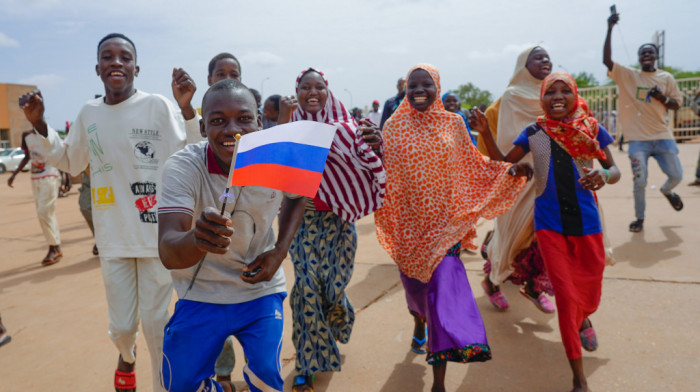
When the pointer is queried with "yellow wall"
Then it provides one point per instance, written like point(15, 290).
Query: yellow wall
point(11, 115)
point(4, 113)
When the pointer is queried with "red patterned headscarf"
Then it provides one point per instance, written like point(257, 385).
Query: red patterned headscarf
point(576, 133)
point(354, 178)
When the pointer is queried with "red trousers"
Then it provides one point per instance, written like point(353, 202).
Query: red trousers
point(575, 267)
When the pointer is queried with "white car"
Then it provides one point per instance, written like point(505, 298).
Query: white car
point(10, 159)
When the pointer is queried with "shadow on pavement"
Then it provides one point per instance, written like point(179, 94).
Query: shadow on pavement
point(407, 372)
point(640, 253)
point(38, 274)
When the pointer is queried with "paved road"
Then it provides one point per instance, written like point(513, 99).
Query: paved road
point(647, 323)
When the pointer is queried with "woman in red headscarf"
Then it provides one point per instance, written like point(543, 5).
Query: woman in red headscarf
point(323, 249)
point(564, 142)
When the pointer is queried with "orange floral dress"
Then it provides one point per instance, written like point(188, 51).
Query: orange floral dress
point(438, 186)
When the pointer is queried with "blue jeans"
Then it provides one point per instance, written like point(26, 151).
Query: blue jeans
point(666, 154)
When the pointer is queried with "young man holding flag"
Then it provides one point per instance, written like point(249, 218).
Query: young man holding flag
point(225, 260)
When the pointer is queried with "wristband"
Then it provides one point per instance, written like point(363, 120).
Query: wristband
point(607, 175)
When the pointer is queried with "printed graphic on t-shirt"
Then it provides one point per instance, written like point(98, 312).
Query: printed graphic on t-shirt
point(102, 197)
point(38, 162)
point(145, 201)
point(145, 152)
point(642, 93)
point(97, 165)
point(145, 144)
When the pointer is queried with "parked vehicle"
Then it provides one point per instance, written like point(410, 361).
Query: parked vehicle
point(10, 159)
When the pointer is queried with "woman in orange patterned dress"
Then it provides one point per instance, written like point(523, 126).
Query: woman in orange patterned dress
point(438, 186)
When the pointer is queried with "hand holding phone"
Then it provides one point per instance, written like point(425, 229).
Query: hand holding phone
point(614, 16)
point(252, 273)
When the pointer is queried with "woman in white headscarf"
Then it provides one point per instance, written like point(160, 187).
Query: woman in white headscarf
point(512, 250)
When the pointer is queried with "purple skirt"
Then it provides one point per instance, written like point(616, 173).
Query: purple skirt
point(455, 329)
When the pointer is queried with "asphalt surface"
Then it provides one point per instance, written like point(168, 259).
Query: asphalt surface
point(647, 322)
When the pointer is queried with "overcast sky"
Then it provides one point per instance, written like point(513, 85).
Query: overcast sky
point(362, 46)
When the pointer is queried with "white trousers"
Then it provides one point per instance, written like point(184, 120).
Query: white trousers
point(137, 289)
point(45, 194)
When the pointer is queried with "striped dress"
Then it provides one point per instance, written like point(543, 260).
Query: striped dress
point(323, 249)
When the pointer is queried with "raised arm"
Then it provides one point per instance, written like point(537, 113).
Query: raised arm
point(32, 103)
point(183, 90)
point(372, 136)
point(480, 123)
point(288, 104)
point(70, 155)
point(607, 48)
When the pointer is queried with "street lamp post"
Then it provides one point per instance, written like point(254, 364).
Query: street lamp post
point(261, 86)
point(350, 94)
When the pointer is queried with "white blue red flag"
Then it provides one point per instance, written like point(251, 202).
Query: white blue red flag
point(289, 157)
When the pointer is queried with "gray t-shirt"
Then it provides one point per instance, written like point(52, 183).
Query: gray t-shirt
point(192, 181)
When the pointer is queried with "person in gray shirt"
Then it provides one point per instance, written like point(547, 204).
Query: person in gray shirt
point(225, 267)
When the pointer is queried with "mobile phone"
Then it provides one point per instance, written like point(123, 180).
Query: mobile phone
point(613, 9)
point(252, 273)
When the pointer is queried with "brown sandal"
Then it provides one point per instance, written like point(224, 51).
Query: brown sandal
point(51, 260)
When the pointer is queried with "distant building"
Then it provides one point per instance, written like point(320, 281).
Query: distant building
point(12, 120)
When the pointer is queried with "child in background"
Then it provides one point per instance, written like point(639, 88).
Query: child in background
point(271, 111)
point(452, 103)
point(45, 187)
point(564, 143)
point(223, 66)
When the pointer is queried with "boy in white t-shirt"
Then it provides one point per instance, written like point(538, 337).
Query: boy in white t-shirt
point(225, 270)
point(126, 137)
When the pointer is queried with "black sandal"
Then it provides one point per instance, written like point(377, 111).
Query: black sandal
point(675, 200)
point(637, 226)
point(485, 245)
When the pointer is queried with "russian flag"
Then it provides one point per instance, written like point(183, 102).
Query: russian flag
point(289, 157)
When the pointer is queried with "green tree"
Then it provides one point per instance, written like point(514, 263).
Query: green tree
point(681, 74)
point(585, 79)
point(471, 96)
